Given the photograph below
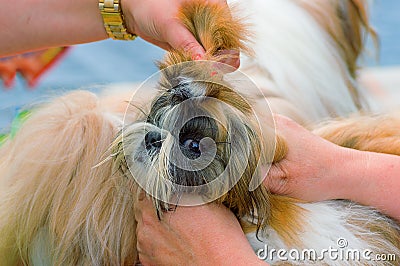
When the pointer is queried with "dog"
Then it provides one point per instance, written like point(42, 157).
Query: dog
point(70, 176)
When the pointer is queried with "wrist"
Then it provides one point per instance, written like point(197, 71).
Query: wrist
point(369, 177)
point(349, 174)
point(230, 248)
point(233, 255)
point(126, 8)
point(114, 20)
point(222, 241)
point(84, 25)
point(336, 175)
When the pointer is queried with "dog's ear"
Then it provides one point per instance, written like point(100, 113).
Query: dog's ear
point(214, 26)
point(250, 153)
point(253, 204)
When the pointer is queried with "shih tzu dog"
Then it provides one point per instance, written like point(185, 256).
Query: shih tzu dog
point(70, 176)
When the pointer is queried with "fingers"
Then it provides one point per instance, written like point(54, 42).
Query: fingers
point(146, 228)
point(181, 38)
point(277, 180)
point(144, 211)
point(294, 134)
point(162, 45)
point(230, 57)
point(283, 123)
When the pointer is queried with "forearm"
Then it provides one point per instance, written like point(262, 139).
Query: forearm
point(235, 252)
point(371, 179)
point(33, 24)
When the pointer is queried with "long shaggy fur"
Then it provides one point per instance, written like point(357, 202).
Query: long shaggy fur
point(215, 28)
point(53, 195)
point(306, 56)
point(377, 133)
point(67, 195)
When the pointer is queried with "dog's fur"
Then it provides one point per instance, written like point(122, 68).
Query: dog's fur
point(67, 198)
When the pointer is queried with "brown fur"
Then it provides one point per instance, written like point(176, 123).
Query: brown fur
point(287, 218)
point(60, 181)
point(379, 133)
point(215, 28)
point(48, 176)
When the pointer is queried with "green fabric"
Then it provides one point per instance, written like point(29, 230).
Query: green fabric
point(3, 138)
point(15, 125)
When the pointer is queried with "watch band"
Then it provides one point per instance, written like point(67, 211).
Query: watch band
point(113, 19)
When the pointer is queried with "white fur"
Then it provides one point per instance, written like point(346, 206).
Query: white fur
point(327, 222)
point(296, 60)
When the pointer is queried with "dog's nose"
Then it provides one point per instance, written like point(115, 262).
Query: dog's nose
point(153, 140)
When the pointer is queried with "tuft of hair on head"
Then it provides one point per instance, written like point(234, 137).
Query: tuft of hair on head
point(215, 27)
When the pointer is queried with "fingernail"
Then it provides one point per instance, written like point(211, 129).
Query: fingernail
point(197, 57)
point(235, 63)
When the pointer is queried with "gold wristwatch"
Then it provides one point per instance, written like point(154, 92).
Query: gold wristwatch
point(113, 19)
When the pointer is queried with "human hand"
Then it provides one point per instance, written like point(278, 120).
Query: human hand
point(308, 171)
point(208, 234)
point(156, 22)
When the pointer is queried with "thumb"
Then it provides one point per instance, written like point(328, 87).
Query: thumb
point(180, 38)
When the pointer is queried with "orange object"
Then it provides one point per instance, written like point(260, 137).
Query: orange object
point(30, 65)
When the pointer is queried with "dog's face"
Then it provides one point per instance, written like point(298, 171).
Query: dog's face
point(199, 138)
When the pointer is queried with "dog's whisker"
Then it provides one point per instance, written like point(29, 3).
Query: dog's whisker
point(139, 108)
point(157, 141)
point(223, 142)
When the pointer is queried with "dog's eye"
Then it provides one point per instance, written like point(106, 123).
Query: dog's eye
point(192, 145)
